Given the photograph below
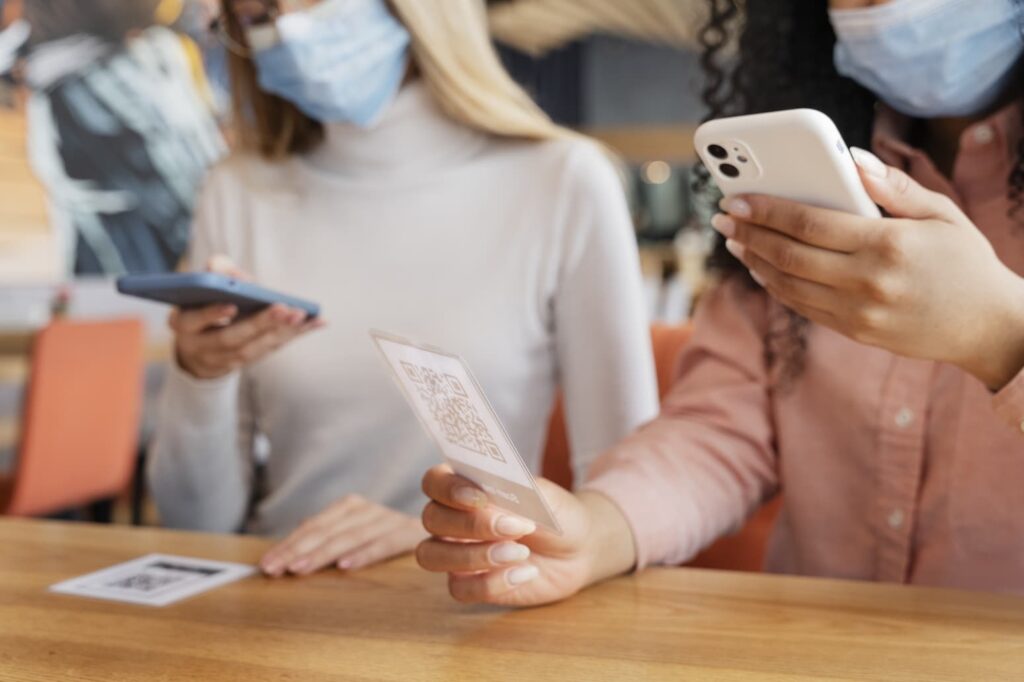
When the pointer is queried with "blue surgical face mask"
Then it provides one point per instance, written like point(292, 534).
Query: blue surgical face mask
point(341, 61)
point(931, 58)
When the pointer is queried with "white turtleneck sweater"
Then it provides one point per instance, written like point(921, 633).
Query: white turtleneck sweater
point(519, 256)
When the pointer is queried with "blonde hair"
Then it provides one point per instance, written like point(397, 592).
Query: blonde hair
point(452, 49)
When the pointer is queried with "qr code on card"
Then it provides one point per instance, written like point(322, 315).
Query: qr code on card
point(145, 582)
point(449, 404)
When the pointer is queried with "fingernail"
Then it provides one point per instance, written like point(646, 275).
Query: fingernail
point(521, 574)
point(513, 526)
point(870, 163)
point(736, 207)
point(272, 569)
point(345, 564)
point(735, 248)
point(509, 553)
point(298, 566)
point(757, 278)
point(471, 497)
point(724, 224)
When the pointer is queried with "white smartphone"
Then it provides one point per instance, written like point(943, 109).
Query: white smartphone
point(797, 154)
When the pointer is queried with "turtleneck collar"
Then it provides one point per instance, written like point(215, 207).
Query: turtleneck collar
point(413, 138)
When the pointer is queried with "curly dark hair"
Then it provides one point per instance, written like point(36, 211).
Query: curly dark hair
point(785, 61)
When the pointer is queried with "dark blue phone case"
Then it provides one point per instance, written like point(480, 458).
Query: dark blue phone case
point(199, 289)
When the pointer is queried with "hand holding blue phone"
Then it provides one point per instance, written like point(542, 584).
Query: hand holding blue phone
point(222, 322)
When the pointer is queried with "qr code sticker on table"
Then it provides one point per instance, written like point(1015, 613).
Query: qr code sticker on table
point(145, 582)
point(449, 404)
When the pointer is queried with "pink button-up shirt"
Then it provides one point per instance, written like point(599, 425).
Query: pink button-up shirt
point(891, 468)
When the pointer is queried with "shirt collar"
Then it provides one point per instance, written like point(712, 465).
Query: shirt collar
point(414, 139)
point(991, 146)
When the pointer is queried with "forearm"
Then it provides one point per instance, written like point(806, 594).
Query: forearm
point(196, 472)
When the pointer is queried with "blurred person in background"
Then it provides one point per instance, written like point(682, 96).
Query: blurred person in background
point(194, 20)
point(120, 132)
point(868, 368)
point(391, 170)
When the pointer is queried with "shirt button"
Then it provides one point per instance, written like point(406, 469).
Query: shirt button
point(983, 134)
point(904, 418)
point(896, 518)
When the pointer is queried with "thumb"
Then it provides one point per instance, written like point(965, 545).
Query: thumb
point(899, 194)
point(222, 265)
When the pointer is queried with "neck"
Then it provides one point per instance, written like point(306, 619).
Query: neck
point(413, 139)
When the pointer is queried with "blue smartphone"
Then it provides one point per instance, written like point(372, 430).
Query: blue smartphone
point(200, 289)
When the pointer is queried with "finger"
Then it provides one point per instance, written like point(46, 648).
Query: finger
point(246, 331)
point(267, 343)
point(822, 227)
point(479, 524)
point(399, 541)
point(343, 542)
point(490, 586)
point(200, 319)
point(440, 556)
point(788, 289)
point(339, 517)
point(899, 194)
point(222, 265)
point(785, 253)
point(442, 485)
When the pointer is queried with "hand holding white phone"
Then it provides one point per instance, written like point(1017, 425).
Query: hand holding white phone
point(797, 154)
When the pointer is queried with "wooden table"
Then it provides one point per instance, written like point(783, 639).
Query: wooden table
point(396, 622)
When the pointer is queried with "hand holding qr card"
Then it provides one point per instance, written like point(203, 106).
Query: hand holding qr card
point(455, 412)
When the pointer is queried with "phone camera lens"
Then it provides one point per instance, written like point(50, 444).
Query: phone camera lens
point(718, 151)
point(729, 170)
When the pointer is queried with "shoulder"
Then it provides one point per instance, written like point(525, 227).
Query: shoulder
point(577, 160)
point(571, 171)
point(248, 174)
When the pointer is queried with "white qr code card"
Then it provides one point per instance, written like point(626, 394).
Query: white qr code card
point(455, 412)
point(154, 579)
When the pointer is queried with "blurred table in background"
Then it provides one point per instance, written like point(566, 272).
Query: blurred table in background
point(640, 144)
point(397, 622)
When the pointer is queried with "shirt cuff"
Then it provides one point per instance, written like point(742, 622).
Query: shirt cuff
point(198, 399)
point(656, 527)
point(1009, 402)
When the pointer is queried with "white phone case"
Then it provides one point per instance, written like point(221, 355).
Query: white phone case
point(797, 154)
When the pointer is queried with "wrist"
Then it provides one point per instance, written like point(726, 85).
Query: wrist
point(609, 546)
point(997, 354)
point(188, 368)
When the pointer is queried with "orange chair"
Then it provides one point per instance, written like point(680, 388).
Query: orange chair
point(743, 551)
point(81, 420)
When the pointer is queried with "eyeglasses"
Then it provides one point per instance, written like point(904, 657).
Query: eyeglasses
point(250, 13)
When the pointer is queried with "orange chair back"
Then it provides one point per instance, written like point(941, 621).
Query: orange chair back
point(743, 551)
point(81, 419)
point(667, 342)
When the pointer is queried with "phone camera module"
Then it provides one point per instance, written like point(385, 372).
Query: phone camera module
point(729, 170)
point(718, 151)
